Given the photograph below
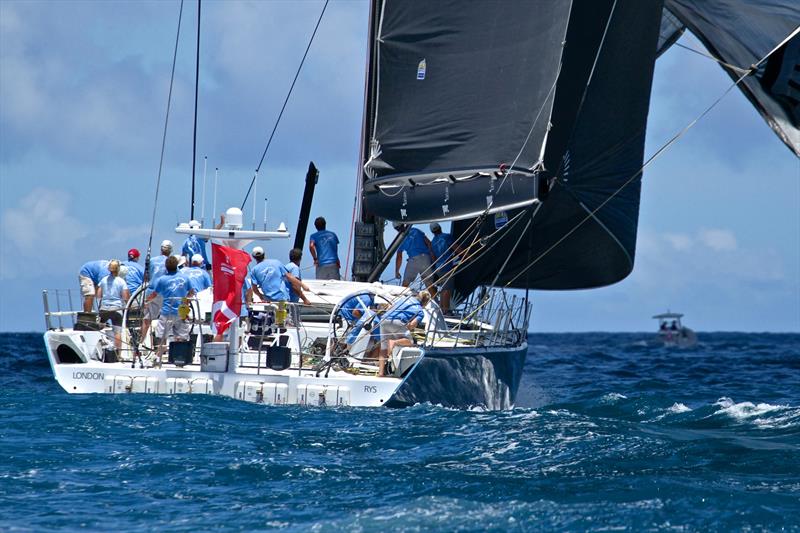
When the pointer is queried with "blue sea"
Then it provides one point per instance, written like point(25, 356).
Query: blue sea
point(610, 432)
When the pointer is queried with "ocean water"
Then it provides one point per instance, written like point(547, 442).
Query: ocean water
point(610, 433)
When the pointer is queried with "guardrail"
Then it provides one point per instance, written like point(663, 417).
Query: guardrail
point(59, 297)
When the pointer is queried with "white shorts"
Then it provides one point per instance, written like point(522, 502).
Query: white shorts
point(87, 286)
point(417, 265)
point(153, 308)
point(394, 330)
point(172, 326)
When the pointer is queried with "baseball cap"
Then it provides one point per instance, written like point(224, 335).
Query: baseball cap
point(435, 226)
point(166, 243)
point(133, 253)
point(197, 258)
point(257, 252)
point(181, 261)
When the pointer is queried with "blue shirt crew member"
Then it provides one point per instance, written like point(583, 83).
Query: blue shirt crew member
point(198, 277)
point(295, 288)
point(157, 269)
point(443, 246)
point(113, 293)
point(268, 280)
point(135, 272)
point(172, 288)
point(356, 306)
point(397, 323)
point(89, 277)
point(420, 256)
point(324, 248)
point(192, 245)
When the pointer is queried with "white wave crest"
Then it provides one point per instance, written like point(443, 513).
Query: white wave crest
point(612, 397)
point(678, 407)
point(749, 411)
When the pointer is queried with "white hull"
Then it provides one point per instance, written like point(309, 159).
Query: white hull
point(291, 386)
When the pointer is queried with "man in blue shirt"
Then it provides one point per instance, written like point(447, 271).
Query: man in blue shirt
point(270, 279)
point(89, 277)
point(324, 248)
point(398, 322)
point(192, 245)
point(444, 253)
point(354, 307)
point(135, 275)
point(197, 275)
point(420, 256)
point(173, 290)
point(157, 269)
point(293, 268)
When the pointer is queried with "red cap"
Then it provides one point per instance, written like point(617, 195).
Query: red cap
point(133, 253)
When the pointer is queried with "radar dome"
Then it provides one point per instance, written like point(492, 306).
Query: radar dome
point(233, 218)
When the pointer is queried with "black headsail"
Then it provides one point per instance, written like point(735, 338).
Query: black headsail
point(594, 152)
point(461, 101)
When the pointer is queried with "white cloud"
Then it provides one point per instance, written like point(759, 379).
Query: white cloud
point(720, 240)
point(37, 231)
point(679, 241)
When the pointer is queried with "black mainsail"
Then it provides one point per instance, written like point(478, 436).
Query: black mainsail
point(462, 101)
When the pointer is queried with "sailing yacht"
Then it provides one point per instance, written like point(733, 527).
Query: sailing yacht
point(520, 123)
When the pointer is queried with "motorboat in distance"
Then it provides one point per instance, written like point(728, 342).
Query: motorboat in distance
point(671, 332)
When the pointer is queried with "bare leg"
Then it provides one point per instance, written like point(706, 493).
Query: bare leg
point(444, 298)
point(88, 304)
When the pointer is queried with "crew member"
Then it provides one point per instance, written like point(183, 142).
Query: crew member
point(397, 324)
point(157, 269)
point(89, 276)
point(354, 307)
point(443, 250)
point(420, 256)
point(192, 245)
point(324, 248)
point(293, 268)
point(197, 275)
point(270, 279)
point(135, 275)
point(172, 289)
point(112, 292)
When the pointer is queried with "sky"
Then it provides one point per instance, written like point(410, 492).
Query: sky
point(83, 94)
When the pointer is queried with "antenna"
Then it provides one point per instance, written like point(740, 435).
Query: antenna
point(214, 212)
point(265, 213)
point(203, 206)
point(255, 188)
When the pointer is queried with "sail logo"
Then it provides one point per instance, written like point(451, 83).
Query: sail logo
point(500, 219)
point(421, 68)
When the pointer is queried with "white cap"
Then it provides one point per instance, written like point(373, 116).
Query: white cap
point(197, 259)
point(194, 224)
point(435, 227)
point(166, 244)
point(257, 252)
point(181, 261)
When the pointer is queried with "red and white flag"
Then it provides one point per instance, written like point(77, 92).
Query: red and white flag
point(230, 269)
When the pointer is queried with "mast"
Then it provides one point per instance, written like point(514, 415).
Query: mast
point(369, 229)
point(196, 90)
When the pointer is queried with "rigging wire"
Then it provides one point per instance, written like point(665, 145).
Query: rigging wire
point(163, 142)
point(285, 101)
point(653, 157)
point(739, 70)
